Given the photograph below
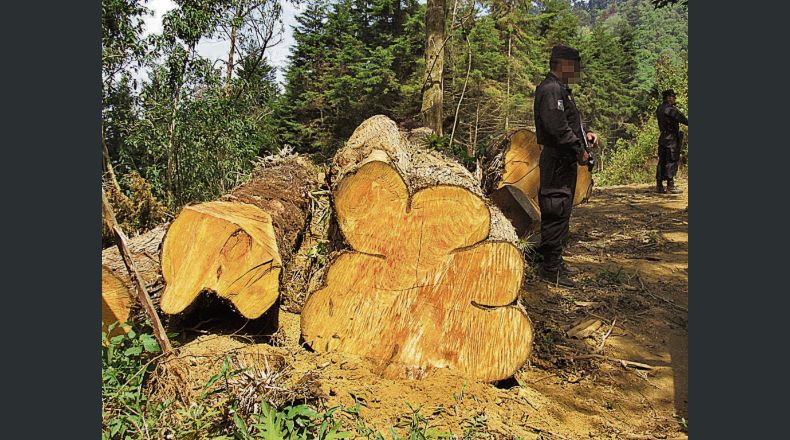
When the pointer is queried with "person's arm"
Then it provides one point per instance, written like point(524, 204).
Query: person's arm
point(553, 119)
point(677, 115)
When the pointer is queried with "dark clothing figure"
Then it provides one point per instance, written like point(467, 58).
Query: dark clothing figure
point(558, 128)
point(669, 142)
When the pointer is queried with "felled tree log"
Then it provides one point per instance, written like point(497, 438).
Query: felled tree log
point(116, 285)
point(237, 247)
point(138, 282)
point(145, 253)
point(512, 164)
point(116, 301)
point(431, 276)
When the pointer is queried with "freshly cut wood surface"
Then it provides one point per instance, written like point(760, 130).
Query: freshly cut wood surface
point(515, 161)
point(522, 169)
point(235, 246)
point(432, 274)
point(225, 247)
point(116, 301)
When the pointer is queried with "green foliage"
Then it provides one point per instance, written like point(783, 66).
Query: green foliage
point(634, 157)
point(191, 131)
point(293, 423)
point(128, 413)
point(122, 27)
point(610, 277)
point(418, 427)
point(352, 60)
point(188, 130)
point(126, 359)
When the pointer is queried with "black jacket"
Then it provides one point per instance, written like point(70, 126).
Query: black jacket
point(557, 120)
point(669, 118)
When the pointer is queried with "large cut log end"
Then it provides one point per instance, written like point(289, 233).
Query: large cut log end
point(228, 248)
point(424, 285)
point(116, 301)
point(513, 166)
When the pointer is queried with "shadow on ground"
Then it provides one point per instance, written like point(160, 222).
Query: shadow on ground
point(632, 247)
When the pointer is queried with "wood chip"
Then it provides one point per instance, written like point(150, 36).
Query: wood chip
point(588, 303)
point(637, 365)
point(585, 329)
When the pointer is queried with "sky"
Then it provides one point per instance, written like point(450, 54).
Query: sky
point(214, 49)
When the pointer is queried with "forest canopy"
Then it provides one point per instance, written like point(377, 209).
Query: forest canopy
point(179, 128)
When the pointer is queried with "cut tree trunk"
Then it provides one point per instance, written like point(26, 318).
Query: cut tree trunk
point(512, 179)
point(116, 283)
point(237, 247)
point(431, 276)
point(145, 254)
point(116, 301)
point(433, 85)
point(138, 282)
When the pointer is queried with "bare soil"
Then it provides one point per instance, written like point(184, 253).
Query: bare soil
point(626, 380)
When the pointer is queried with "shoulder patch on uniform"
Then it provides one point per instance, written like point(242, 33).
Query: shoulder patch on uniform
point(560, 104)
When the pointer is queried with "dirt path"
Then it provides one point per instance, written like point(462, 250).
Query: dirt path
point(632, 245)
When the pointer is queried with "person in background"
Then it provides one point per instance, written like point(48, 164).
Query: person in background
point(669, 142)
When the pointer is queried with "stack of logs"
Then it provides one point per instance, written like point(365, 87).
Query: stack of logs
point(428, 275)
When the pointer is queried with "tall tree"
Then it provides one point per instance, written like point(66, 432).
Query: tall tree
point(122, 49)
point(433, 85)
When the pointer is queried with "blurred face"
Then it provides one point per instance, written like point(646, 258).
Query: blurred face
point(570, 71)
point(671, 99)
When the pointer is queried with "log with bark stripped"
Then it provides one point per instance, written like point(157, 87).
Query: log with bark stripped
point(512, 179)
point(431, 276)
point(237, 247)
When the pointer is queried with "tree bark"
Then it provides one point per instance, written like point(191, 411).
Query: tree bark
point(231, 52)
point(507, 94)
point(137, 280)
point(238, 246)
point(275, 199)
point(433, 88)
point(107, 163)
point(431, 272)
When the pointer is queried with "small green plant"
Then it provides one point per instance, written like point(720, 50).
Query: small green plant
point(438, 143)
point(319, 252)
point(609, 277)
point(292, 423)
point(418, 427)
point(126, 359)
point(475, 427)
point(442, 144)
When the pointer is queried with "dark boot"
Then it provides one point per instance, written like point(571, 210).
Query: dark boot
point(556, 277)
point(660, 187)
point(672, 189)
point(568, 270)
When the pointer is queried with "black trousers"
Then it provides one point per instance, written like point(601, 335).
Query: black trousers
point(668, 159)
point(555, 198)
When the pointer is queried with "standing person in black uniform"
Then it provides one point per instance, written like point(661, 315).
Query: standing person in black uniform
point(669, 142)
point(558, 127)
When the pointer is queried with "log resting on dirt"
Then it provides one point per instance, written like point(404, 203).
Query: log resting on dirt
point(512, 179)
point(237, 247)
point(432, 276)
